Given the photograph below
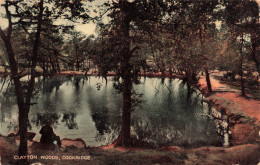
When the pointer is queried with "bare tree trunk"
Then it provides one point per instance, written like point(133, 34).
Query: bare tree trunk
point(243, 93)
point(53, 65)
point(124, 137)
point(23, 103)
point(77, 65)
point(19, 94)
point(23, 122)
point(57, 61)
point(206, 67)
point(254, 54)
point(208, 80)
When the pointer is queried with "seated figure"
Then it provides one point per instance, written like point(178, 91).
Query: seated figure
point(48, 136)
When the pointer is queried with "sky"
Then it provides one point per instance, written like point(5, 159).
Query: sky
point(86, 29)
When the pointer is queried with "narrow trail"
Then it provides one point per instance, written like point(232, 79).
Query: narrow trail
point(231, 98)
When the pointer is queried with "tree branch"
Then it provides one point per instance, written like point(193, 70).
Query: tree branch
point(35, 53)
point(9, 17)
point(3, 36)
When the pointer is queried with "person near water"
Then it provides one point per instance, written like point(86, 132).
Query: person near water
point(48, 136)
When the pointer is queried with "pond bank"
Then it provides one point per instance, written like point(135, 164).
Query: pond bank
point(243, 114)
point(242, 154)
point(241, 122)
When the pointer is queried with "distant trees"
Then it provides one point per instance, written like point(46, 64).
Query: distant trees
point(242, 20)
point(50, 51)
point(74, 49)
point(196, 45)
point(77, 49)
point(187, 29)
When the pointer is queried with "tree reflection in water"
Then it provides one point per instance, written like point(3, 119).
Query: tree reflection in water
point(42, 118)
point(106, 118)
point(70, 120)
point(7, 101)
point(78, 109)
point(105, 124)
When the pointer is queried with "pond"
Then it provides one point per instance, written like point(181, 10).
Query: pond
point(90, 108)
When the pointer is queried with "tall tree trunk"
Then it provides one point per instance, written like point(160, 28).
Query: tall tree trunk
point(19, 95)
point(23, 122)
point(243, 93)
point(24, 111)
point(53, 65)
point(208, 80)
point(254, 54)
point(206, 67)
point(76, 59)
point(77, 65)
point(124, 137)
point(57, 61)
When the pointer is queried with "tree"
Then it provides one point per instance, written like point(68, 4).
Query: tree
point(191, 24)
point(78, 49)
point(50, 51)
point(241, 17)
point(31, 16)
point(126, 18)
point(23, 103)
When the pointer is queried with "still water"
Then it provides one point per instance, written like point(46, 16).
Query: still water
point(89, 108)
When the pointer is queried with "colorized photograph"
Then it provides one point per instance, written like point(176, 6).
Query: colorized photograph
point(129, 82)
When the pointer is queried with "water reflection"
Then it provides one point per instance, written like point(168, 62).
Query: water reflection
point(7, 104)
point(70, 120)
point(42, 118)
point(88, 108)
point(101, 120)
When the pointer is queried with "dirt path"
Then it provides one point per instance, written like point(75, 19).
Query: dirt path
point(231, 98)
point(243, 114)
